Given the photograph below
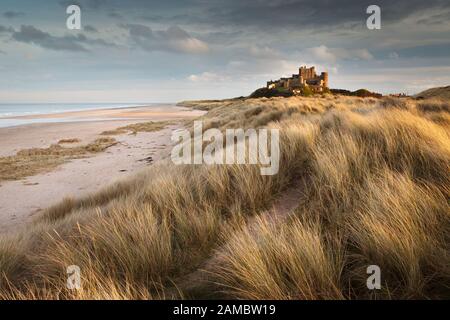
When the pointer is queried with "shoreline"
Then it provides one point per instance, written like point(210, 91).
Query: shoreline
point(163, 112)
point(108, 106)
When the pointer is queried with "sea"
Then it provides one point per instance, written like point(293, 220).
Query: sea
point(8, 110)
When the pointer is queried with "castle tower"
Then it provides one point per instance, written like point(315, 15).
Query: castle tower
point(307, 73)
point(324, 77)
point(301, 72)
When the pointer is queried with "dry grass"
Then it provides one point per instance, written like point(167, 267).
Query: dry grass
point(138, 127)
point(28, 162)
point(378, 193)
point(287, 261)
point(67, 141)
point(113, 132)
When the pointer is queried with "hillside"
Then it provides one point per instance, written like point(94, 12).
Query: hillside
point(436, 93)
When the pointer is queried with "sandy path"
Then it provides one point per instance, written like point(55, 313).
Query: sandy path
point(21, 200)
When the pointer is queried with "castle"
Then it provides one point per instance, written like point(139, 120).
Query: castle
point(306, 77)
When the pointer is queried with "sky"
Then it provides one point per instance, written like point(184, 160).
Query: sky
point(173, 50)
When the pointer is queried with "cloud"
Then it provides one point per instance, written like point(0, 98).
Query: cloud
point(393, 55)
point(115, 15)
point(12, 14)
point(32, 35)
point(89, 28)
point(173, 39)
point(322, 53)
point(4, 29)
point(268, 15)
point(224, 38)
point(206, 77)
point(293, 14)
point(435, 19)
point(332, 55)
point(264, 52)
point(66, 3)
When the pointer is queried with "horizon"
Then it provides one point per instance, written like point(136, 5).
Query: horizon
point(84, 102)
point(191, 50)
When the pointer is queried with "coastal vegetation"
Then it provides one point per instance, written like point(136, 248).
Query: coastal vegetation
point(371, 187)
point(134, 128)
point(32, 161)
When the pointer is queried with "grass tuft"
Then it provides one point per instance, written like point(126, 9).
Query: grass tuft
point(138, 127)
point(32, 161)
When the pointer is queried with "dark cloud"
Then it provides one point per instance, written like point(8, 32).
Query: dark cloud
point(312, 14)
point(264, 14)
point(138, 31)
point(30, 34)
point(173, 39)
point(156, 5)
point(13, 14)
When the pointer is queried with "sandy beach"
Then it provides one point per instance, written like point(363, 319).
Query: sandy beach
point(162, 112)
point(22, 199)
